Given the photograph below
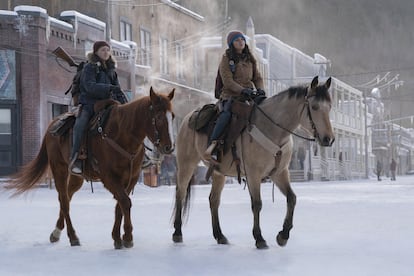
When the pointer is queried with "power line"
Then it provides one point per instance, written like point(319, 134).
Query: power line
point(409, 68)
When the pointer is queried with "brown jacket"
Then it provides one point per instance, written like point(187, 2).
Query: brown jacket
point(245, 76)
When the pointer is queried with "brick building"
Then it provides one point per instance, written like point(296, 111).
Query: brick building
point(154, 45)
point(32, 82)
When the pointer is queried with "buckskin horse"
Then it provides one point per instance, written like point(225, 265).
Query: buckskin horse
point(265, 149)
point(120, 140)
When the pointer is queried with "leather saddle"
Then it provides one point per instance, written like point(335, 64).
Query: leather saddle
point(63, 125)
point(204, 119)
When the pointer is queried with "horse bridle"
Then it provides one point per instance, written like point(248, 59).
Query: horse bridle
point(315, 134)
point(157, 139)
point(126, 154)
point(312, 123)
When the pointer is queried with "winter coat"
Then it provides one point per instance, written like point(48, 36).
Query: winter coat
point(246, 75)
point(97, 81)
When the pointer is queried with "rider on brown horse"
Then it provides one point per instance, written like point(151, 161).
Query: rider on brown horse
point(98, 81)
point(239, 74)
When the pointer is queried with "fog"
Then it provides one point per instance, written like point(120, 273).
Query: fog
point(358, 36)
point(362, 38)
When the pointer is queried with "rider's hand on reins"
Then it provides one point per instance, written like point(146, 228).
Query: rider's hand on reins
point(247, 92)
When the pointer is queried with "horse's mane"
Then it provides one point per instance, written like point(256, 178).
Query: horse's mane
point(140, 108)
point(300, 91)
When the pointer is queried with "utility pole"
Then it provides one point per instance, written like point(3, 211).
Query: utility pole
point(376, 83)
point(366, 134)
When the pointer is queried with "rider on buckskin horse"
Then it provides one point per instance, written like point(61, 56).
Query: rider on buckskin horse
point(98, 81)
point(240, 75)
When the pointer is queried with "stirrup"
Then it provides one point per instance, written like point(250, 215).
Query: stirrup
point(75, 166)
point(208, 154)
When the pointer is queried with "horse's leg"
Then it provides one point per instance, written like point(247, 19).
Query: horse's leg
point(60, 173)
point(75, 183)
point(116, 230)
point(122, 210)
point(215, 195)
point(184, 175)
point(187, 160)
point(283, 183)
point(256, 201)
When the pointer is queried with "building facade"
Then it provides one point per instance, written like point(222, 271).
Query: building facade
point(33, 82)
point(165, 45)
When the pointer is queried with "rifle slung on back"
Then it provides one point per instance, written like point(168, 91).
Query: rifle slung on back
point(62, 54)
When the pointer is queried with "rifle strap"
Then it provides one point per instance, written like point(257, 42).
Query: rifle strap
point(70, 88)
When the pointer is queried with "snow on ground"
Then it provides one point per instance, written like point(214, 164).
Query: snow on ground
point(340, 228)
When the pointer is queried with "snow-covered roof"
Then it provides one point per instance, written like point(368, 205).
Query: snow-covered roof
point(30, 9)
point(9, 13)
point(120, 44)
point(131, 44)
point(84, 18)
point(60, 23)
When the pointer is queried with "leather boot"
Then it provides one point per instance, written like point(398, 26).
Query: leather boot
point(75, 165)
point(208, 154)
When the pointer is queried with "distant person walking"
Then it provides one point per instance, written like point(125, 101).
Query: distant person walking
point(379, 170)
point(393, 168)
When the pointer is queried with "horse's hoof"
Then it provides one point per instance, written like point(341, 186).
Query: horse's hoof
point(128, 244)
point(53, 238)
point(118, 245)
point(75, 243)
point(222, 240)
point(281, 241)
point(177, 238)
point(261, 245)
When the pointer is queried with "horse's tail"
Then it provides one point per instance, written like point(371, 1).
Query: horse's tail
point(186, 204)
point(30, 174)
point(185, 208)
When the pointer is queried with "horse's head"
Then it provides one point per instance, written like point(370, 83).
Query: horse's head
point(162, 117)
point(318, 107)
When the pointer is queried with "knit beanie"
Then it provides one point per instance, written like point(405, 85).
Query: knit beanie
point(232, 36)
point(99, 44)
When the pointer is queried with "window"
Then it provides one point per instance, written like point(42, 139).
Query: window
point(164, 56)
point(145, 47)
point(125, 32)
point(58, 109)
point(179, 60)
point(5, 126)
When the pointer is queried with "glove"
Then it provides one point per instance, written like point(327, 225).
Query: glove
point(260, 92)
point(115, 89)
point(118, 95)
point(247, 92)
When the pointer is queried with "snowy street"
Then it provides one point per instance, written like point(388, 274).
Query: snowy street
point(362, 227)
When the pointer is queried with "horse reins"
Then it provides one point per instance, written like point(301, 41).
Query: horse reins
point(126, 154)
point(288, 130)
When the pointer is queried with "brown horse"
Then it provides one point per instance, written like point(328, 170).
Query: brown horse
point(265, 149)
point(117, 154)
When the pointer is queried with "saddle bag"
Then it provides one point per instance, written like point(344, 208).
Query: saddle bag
point(62, 124)
point(202, 116)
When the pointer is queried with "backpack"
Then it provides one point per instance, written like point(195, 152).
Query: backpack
point(74, 88)
point(219, 82)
